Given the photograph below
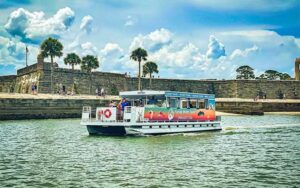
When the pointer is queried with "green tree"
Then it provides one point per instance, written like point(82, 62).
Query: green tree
point(285, 76)
point(245, 72)
point(89, 63)
point(149, 68)
point(72, 59)
point(261, 77)
point(51, 48)
point(272, 75)
point(139, 55)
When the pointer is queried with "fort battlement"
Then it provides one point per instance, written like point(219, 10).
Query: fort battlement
point(40, 73)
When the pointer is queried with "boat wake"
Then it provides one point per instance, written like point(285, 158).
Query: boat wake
point(228, 128)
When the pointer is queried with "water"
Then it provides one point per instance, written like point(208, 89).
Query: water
point(251, 151)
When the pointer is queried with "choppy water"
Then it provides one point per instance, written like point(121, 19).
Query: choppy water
point(251, 151)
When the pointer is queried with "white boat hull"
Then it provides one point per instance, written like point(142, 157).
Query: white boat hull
point(149, 128)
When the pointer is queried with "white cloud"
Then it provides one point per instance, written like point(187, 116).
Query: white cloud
point(111, 48)
point(186, 60)
point(86, 23)
point(215, 48)
point(253, 48)
point(12, 51)
point(88, 49)
point(186, 56)
point(243, 53)
point(114, 60)
point(34, 27)
point(153, 41)
point(275, 51)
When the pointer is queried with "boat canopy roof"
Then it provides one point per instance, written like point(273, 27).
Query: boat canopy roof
point(171, 94)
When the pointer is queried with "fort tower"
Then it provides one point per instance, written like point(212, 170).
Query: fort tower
point(297, 69)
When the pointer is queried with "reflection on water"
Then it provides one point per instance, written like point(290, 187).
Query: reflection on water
point(251, 151)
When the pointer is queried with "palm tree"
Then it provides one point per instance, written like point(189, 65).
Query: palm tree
point(72, 59)
point(89, 63)
point(53, 48)
point(149, 68)
point(139, 55)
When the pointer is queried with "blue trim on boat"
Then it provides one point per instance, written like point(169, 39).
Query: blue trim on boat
point(188, 95)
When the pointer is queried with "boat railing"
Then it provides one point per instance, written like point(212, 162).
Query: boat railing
point(158, 121)
point(111, 114)
point(86, 115)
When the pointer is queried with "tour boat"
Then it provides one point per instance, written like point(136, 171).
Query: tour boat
point(154, 113)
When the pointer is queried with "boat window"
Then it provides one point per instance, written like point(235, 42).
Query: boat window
point(211, 104)
point(189, 103)
point(173, 103)
point(138, 102)
point(206, 103)
point(201, 104)
point(155, 101)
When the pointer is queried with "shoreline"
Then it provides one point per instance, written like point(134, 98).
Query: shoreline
point(116, 97)
point(56, 96)
point(282, 113)
point(218, 113)
point(43, 106)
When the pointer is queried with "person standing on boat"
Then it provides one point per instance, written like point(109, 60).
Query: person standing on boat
point(123, 104)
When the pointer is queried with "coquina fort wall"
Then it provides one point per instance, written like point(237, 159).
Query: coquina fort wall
point(40, 73)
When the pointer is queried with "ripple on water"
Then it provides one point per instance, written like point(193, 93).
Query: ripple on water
point(251, 151)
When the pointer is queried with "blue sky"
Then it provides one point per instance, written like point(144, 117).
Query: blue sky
point(195, 39)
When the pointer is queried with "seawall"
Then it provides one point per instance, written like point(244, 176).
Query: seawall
point(12, 109)
point(28, 108)
point(250, 107)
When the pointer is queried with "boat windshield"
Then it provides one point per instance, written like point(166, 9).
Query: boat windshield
point(148, 101)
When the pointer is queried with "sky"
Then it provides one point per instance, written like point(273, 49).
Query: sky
point(191, 39)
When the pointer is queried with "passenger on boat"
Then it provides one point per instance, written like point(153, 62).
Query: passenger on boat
point(124, 103)
point(121, 107)
point(141, 103)
point(189, 104)
point(152, 101)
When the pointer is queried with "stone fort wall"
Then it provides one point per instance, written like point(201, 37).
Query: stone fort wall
point(112, 83)
point(7, 83)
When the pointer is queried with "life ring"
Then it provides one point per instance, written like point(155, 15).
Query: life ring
point(107, 113)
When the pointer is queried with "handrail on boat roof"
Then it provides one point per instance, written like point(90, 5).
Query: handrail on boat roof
point(172, 94)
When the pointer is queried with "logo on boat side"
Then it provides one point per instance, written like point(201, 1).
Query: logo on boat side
point(171, 115)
